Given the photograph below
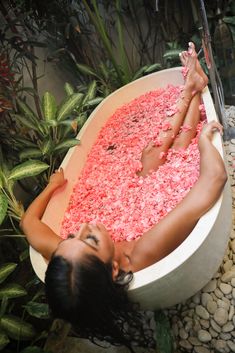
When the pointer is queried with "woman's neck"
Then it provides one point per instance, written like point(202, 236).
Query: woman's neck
point(122, 253)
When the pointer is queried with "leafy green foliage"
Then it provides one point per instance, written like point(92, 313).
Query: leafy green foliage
point(27, 169)
point(38, 310)
point(46, 140)
point(163, 333)
point(16, 328)
point(4, 340)
point(3, 207)
point(6, 270)
point(11, 326)
point(12, 291)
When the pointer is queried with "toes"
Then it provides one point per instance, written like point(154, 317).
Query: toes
point(191, 48)
point(183, 57)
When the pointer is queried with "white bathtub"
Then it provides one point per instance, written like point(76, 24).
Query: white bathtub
point(189, 267)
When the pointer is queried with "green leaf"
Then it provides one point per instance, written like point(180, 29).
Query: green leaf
point(26, 143)
point(81, 120)
point(27, 111)
point(4, 340)
point(39, 310)
point(1, 180)
point(3, 308)
point(25, 121)
point(65, 130)
point(172, 54)
point(49, 106)
point(69, 105)
point(86, 70)
point(163, 333)
point(4, 176)
point(47, 146)
point(6, 269)
point(66, 144)
point(139, 72)
point(16, 328)
point(12, 290)
point(92, 90)
point(3, 207)
point(28, 169)
point(153, 67)
point(24, 255)
point(50, 123)
point(28, 153)
point(69, 90)
point(94, 101)
point(229, 20)
point(105, 71)
point(121, 47)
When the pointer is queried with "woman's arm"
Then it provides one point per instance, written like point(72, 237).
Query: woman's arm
point(172, 230)
point(39, 235)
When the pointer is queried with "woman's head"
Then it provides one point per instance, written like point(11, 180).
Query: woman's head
point(84, 293)
point(89, 240)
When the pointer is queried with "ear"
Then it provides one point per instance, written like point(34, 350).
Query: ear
point(115, 269)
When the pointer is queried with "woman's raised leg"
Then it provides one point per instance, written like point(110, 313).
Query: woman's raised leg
point(189, 127)
point(154, 156)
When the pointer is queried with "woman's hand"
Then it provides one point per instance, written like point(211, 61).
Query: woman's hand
point(210, 128)
point(152, 157)
point(57, 178)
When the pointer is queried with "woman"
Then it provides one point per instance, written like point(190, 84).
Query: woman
point(88, 274)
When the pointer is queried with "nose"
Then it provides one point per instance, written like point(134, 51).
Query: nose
point(83, 227)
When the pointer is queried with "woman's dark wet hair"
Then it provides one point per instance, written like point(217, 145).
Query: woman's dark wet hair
point(85, 295)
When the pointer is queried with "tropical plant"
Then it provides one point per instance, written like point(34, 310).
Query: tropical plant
point(47, 139)
point(12, 326)
point(9, 204)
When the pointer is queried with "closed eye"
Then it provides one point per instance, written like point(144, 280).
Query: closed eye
point(93, 237)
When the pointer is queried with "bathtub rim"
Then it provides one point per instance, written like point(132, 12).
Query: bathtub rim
point(176, 258)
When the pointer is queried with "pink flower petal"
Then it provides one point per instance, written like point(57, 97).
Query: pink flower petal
point(108, 189)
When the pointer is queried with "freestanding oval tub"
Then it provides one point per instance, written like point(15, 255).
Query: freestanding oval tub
point(189, 267)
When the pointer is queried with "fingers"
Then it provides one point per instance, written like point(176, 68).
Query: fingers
point(60, 170)
point(210, 128)
point(215, 126)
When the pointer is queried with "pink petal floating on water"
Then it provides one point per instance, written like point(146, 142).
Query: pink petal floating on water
point(110, 192)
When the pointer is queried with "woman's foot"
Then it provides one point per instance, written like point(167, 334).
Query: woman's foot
point(184, 56)
point(192, 50)
point(194, 80)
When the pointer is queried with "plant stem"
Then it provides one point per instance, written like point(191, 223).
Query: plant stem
point(35, 86)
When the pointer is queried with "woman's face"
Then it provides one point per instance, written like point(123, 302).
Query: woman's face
point(90, 239)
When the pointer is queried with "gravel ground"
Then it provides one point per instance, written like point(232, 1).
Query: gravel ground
point(205, 323)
